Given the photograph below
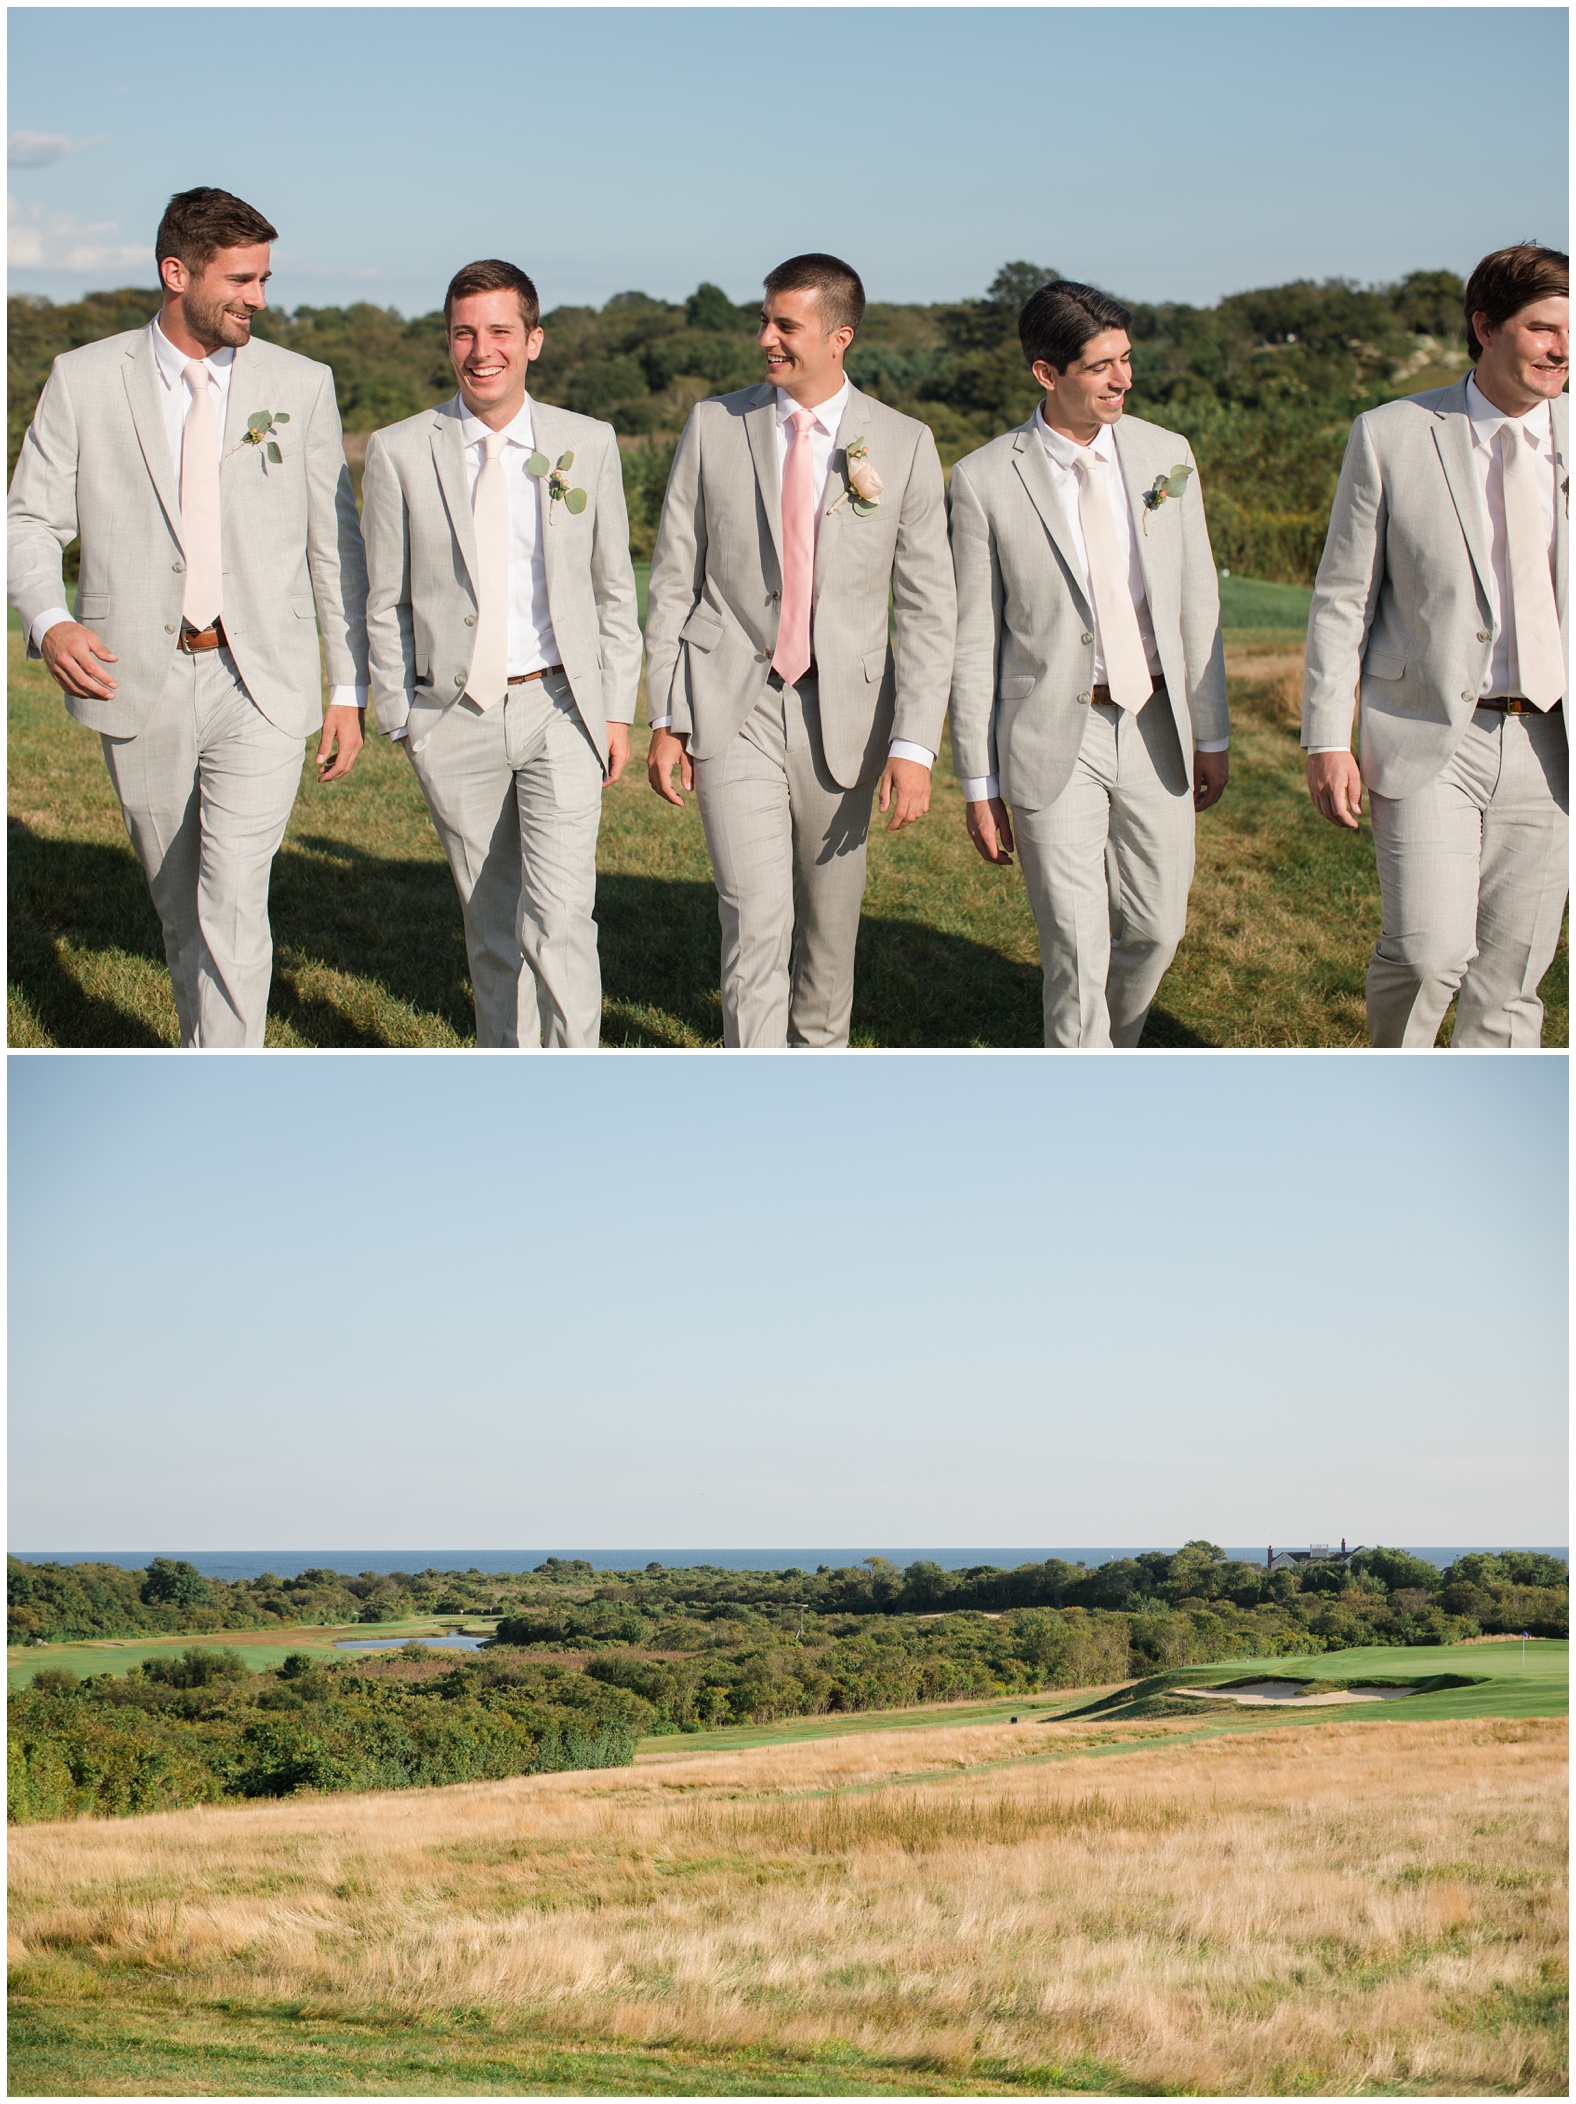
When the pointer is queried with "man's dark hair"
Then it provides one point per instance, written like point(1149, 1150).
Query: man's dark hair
point(198, 223)
point(1059, 319)
point(493, 275)
point(1510, 279)
point(842, 296)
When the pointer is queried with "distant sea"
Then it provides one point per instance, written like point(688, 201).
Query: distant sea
point(290, 1563)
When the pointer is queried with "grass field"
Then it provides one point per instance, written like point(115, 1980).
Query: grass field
point(369, 949)
point(968, 1909)
point(262, 1650)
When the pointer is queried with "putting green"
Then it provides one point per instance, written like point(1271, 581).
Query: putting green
point(263, 1651)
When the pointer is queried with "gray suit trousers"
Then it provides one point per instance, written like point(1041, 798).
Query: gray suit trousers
point(516, 795)
point(1473, 871)
point(1108, 866)
point(788, 847)
point(206, 789)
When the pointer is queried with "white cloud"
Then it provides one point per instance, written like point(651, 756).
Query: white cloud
point(27, 149)
point(40, 240)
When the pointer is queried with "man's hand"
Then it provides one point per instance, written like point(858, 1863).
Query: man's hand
point(1335, 783)
point(74, 655)
point(344, 728)
point(990, 829)
point(669, 749)
point(617, 752)
point(905, 785)
point(1211, 772)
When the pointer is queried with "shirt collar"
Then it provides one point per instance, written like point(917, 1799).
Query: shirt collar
point(172, 363)
point(1065, 451)
point(828, 414)
point(517, 433)
point(1486, 419)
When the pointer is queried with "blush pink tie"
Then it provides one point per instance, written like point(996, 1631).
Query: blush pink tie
point(792, 660)
point(203, 600)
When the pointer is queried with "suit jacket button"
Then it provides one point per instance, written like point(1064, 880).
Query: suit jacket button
point(1485, 636)
point(459, 679)
point(470, 620)
point(1086, 639)
point(177, 568)
point(169, 628)
point(1469, 697)
point(1083, 697)
point(777, 595)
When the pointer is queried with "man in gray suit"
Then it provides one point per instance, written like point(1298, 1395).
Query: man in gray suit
point(796, 513)
point(1089, 690)
point(205, 473)
point(1441, 599)
point(506, 653)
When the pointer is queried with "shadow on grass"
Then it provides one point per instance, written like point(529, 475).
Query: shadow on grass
point(393, 928)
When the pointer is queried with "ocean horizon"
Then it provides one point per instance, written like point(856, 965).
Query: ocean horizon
point(233, 1564)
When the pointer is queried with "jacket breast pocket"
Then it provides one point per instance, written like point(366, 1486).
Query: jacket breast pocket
point(1384, 664)
point(303, 609)
point(91, 606)
point(875, 664)
point(703, 630)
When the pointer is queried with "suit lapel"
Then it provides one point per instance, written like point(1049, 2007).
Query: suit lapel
point(147, 415)
point(1129, 445)
point(1453, 438)
point(760, 428)
point(448, 457)
point(243, 385)
point(1034, 468)
point(1562, 453)
point(548, 437)
point(851, 426)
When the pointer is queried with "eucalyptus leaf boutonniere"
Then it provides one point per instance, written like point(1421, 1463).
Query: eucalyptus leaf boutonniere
point(864, 484)
point(260, 426)
point(558, 489)
point(1164, 486)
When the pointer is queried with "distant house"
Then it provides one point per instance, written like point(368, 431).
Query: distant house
point(1299, 1559)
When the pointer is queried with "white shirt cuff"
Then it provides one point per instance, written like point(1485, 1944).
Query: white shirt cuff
point(980, 788)
point(45, 623)
point(659, 723)
point(1210, 744)
point(906, 749)
point(347, 697)
point(1312, 749)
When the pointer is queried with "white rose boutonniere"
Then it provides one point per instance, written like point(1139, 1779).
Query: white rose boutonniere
point(864, 484)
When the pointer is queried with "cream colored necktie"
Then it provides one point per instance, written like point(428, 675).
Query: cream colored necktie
point(1540, 660)
point(1121, 644)
point(489, 677)
point(203, 600)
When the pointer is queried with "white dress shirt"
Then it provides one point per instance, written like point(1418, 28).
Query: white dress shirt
point(532, 645)
point(1502, 675)
point(176, 399)
point(823, 443)
point(1062, 453)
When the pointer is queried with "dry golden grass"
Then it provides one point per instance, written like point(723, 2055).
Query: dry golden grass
point(1334, 1908)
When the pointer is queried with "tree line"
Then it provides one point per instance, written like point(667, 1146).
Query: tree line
point(1264, 383)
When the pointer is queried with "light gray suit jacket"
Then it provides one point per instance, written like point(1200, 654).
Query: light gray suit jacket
point(96, 461)
point(1401, 603)
point(421, 564)
point(1025, 660)
point(715, 600)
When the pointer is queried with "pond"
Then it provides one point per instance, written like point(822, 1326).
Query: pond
point(393, 1643)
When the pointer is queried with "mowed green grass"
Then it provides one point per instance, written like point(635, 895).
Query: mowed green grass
point(262, 1651)
point(369, 949)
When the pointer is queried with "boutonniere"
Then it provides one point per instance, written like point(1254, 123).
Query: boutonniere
point(864, 484)
point(1164, 486)
point(558, 490)
point(260, 432)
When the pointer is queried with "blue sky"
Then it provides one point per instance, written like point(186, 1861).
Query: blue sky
point(707, 1301)
point(1166, 153)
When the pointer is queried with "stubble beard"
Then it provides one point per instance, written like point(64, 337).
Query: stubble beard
point(212, 324)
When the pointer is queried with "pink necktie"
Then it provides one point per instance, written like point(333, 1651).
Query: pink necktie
point(203, 600)
point(792, 660)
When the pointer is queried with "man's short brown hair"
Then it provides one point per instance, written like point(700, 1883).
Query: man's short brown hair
point(493, 275)
point(198, 223)
point(842, 296)
point(1510, 279)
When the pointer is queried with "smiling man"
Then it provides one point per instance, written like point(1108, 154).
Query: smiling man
point(205, 472)
point(1441, 598)
point(1089, 691)
point(506, 653)
point(797, 512)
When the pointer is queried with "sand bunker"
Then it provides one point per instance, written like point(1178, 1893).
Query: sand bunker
point(1277, 1691)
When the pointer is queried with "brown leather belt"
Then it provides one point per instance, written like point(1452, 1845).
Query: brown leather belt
point(519, 679)
point(775, 679)
point(1516, 705)
point(191, 640)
